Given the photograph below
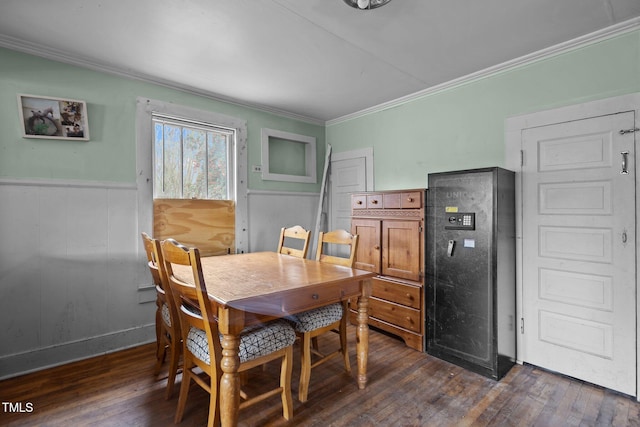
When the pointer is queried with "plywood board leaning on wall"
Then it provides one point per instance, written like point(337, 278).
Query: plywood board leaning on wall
point(208, 225)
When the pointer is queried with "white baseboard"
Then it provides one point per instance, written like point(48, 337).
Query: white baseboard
point(47, 357)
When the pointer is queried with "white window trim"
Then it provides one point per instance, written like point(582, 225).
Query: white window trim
point(144, 161)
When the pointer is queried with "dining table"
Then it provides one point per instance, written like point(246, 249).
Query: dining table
point(261, 286)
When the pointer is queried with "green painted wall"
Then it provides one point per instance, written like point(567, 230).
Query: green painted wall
point(463, 127)
point(457, 128)
point(111, 101)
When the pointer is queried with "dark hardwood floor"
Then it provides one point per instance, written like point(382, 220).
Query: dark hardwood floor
point(406, 388)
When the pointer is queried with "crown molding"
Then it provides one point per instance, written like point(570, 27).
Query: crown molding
point(60, 56)
point(559, 49)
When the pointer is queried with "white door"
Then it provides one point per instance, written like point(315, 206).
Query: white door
point(348, 175)
point(578, 232)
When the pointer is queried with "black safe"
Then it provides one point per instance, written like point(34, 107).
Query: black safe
point(470, 264)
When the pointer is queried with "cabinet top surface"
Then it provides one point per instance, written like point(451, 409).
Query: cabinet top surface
point(408, 190)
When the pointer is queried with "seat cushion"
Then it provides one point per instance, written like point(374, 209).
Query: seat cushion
point(165, 314)
point(255, 341)
point(317, 318)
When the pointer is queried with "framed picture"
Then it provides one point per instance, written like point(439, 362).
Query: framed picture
point(53, 118)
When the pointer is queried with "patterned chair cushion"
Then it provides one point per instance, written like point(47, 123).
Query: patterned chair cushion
point(255, 341)
point(165, 314)
point(167, 317)
point(317, 318)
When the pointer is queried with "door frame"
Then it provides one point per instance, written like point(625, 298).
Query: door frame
point(514, 127)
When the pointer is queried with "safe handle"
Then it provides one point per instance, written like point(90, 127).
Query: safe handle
point(450, 247)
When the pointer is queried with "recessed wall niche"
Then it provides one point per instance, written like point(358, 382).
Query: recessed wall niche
point(288, 157)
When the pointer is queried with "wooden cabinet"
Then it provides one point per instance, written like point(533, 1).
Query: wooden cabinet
point(391, 243)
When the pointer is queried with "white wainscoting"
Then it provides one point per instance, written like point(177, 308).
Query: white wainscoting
point(72, 280)
point(269, 211)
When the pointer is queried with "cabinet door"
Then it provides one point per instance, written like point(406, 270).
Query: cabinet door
point(401, 249)
point(368, 252)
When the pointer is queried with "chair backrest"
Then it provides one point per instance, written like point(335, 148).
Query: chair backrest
point(188, 295)
point(295, 232)
point(337, 237)
point(156, 266)
point(152, 260)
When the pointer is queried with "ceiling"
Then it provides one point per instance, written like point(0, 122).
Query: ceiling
point(318, 60)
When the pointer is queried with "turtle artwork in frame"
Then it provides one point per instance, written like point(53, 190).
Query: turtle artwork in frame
point(53, 118)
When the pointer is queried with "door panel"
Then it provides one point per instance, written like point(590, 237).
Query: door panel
point(576, 198)
point(401, 249)
point(347, 176)
point(579, 250)
point(368, 253)
point(583, 244)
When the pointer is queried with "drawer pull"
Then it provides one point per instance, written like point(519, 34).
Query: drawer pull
point(409, 199)
point(359, 202)
point(315, 296)
point(376, 247)
point(375, 202)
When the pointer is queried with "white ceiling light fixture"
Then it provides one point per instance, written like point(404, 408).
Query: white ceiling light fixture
point(366, 4)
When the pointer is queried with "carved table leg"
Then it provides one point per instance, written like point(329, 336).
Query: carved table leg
point(230, 327)
point(362, 333)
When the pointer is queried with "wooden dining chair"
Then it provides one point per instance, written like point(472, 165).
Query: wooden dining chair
point(295, 233)
point(313, 323)
point(202, 350)
point(167, 320)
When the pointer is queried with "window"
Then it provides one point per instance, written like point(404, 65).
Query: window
point(147, 110)
point(192, 160)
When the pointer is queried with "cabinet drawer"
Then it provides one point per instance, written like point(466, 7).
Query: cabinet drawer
point(405, 317)
point(359, 201)
point(411, 200)
point(306, 299)
point(392, 200)
point(374, 201)
point(406, 200)
point(397, 292)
